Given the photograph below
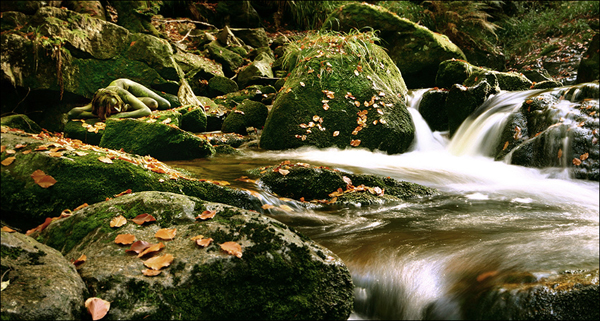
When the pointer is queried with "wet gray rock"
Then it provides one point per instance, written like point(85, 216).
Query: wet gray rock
point(43, 284)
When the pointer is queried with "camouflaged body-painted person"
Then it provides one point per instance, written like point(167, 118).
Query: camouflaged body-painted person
point(122, 98)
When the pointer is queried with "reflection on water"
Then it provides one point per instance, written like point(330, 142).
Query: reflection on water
point(414, 260)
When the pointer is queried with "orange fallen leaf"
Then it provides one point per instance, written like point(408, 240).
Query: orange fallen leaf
point(143, 218)
point(118, 221)
point(151, 249)
point(206, 215)
point(97, 307)
point(7, 229)
point(267, 206)
point(576, 161)
point(232, 248)
point(201, 241)
point(10, 151)
point(138, 247)
point(560, 153)
point(65, 213)
point(159, 262)
point(283, 172)
point(148, 272)
point(18, 146)
point(84, 205)
point(125, 239)
point(25, 152)
point(8, 160)
point(128, 191)
point(80, 260)
point(40, 227)
point(355, 142)
point(105, 160)
point(79, 153)
point(46, 181)
point(166, 234)
point(56, 154)
point(505, 146)
point(584, 156)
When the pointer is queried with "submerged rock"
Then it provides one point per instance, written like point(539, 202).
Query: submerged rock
point(344, 91)
point(416, 50)
point(88, 174)
point(43, 284)
point(278, 273)
point(304, 182)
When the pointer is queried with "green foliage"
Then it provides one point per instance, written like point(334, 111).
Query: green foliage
point(309, 15)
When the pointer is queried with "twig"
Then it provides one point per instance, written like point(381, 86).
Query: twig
point(206, 24)
point(186, 35)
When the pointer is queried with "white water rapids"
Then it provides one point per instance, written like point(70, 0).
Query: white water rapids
point(411, 259)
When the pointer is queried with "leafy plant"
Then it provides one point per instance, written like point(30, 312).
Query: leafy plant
point(311, 14)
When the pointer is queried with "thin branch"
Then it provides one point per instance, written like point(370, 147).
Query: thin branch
point(206, 24)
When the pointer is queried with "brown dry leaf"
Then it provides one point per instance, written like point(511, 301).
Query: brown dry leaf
point(138, 247)
point(576, 161)
point(118, 221)
point(128, 191)
point(97, 307)
point(25, 152)
point(560, 153)
point(18, 146)
point(204, 242)
point(84, 205)
point(166, 234)
point(8, 160)
point(7, 229)
point(40, 227)
point(505, 145)
point(105, 160)
point(206, 215)
point(46, 181)
point(79, 153)
point(584, 156)
point(267, 206)
point(125, 239)
point(232, 248)
point(37, 174)
point(10, 151)
point(143, 218)
point(159, 262)
point(283, 172)
point(55, 154)
point(147, 272)
point(336, 133)
point(528, 101)
point(151, 249)
point(41, 147)
point(80, 260)
point(355, 142)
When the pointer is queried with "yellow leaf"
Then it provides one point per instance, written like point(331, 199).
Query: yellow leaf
point(8, 160)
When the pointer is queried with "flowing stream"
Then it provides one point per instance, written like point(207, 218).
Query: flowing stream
point(412, 259)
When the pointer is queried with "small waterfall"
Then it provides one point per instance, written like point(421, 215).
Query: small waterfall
point(479, 134)
point(425, 139)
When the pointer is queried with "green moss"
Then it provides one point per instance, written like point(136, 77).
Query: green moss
point(10, 252)
point(248, 114)
point(194, 120)
point(21, 122)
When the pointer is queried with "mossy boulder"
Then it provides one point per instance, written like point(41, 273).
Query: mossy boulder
point(220, 85)
point(89, 131)
point(82, 176)
point(247, 114)
point(279, 273)
point(254, 37)
point(305, 182)
point(558, 128)
point(433, 109)
point(589, 67)
point(416, 50)
point(194, 120)
point(230, 60)
point(156, 139)
point(252, 92)
point(257, 70)
point(43, 284)
point(22, 122)
point(344, 91)
point(570, 295)
point(455, 71)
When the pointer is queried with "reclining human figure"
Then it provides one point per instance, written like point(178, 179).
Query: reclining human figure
point(123, 98)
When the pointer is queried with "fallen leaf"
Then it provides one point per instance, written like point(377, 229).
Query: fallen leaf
point(355, 142)
point(232, 248)
point(267, 206)
point(105, 160)
point(79, 153)
point(505, 146)
point(159, 262)
point(40, 227)
point(97, 307)
point(204, 242)
point(584, 156)
point(143, 218)
point(128, 191)
point(18, 146)
point(347, 180)
point(138, 247)
point(576, 161)
point(7, 229)
point(46, 181)
point(80, 260)
point(84, 205)
point(151, 249)
point(166, 234)
point(283, 172)
point(118, 221)
point(148, 272)
point(336, 133)
point(125, 239)
point(206, 215)
point(8, 160)
point(55, 154)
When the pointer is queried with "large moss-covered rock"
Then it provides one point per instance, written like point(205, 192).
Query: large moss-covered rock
point(82, 176)
point(416, 50)
point(433, 109)
point(248, 114)
point(279, 273)
point(43, 285)
point(344, 91)
point(156, 139)
point(455, 71)
point(22, 122)
point(462, 101)
point(220, 85)
point(194, 120)
point(89, 131)
point(259, 69)
point(254, 37)
point(324, 185)
point(230, 60)
point(558, 129)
